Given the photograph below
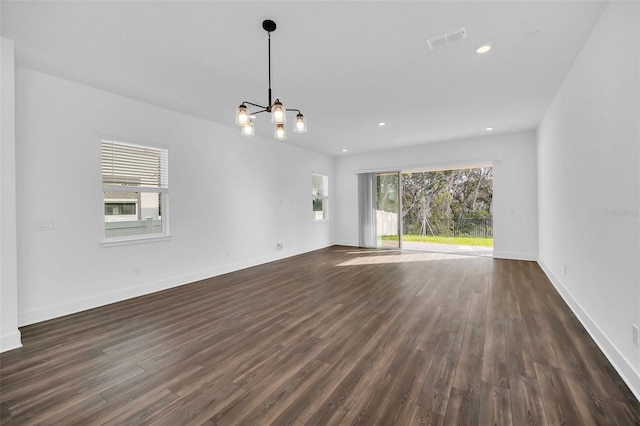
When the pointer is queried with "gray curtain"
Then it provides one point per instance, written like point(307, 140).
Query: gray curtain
point(367, 210)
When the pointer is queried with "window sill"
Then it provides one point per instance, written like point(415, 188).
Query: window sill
point(125, 241)
point(320, 221)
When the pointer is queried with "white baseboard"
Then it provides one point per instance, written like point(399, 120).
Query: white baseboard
point(10, 341)
point(514, 255)
point(346, 243)
point(627, 371)
point(79, 305)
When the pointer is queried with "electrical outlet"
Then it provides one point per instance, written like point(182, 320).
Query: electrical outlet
point(137, 270)
point(565, 269)
point(46, 225)
point(636, 335)
point(279, 245)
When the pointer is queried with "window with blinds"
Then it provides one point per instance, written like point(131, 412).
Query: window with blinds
point(135, 182)
point(320, 197)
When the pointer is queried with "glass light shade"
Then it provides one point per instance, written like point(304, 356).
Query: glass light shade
point(242, 115)
point(248, 129)
point(301, 124)
point(278, 113)
point(280, 133)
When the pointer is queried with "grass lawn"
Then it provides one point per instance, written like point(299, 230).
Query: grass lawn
point(461, 241)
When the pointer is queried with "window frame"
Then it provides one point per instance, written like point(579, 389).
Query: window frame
point(162, 189)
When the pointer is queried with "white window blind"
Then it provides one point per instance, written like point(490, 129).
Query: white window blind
point(319, 186)
point(130, 165)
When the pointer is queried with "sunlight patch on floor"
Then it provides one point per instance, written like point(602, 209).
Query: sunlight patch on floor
point(397, 258)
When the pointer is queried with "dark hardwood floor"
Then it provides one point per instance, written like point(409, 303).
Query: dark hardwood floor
point(336, 336)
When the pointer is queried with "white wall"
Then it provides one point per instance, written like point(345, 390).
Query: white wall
point(514, 186)
point(9, 333)
point(588, 145)
point(231, 198)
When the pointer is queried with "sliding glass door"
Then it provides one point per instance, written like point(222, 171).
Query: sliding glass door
point(443, 210)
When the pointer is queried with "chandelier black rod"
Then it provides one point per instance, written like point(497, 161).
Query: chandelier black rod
point(256, 105)
point(269, 43)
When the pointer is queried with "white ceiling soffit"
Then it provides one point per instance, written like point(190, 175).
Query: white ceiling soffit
point(346, 64)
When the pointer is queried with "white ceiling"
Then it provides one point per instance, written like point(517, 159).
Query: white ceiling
point(346, 64)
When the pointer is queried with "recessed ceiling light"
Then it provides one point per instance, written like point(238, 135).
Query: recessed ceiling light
point(488, 129)
point(382, 123)
point(484, 48)
point(344, 150)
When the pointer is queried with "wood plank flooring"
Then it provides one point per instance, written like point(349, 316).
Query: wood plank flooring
point(336, 336)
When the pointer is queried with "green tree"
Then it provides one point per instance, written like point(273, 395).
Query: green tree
point(438, 202)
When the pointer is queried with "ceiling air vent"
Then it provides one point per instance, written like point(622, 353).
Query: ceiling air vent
point(447, 38)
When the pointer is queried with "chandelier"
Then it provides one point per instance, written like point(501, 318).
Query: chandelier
point(244, 118)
